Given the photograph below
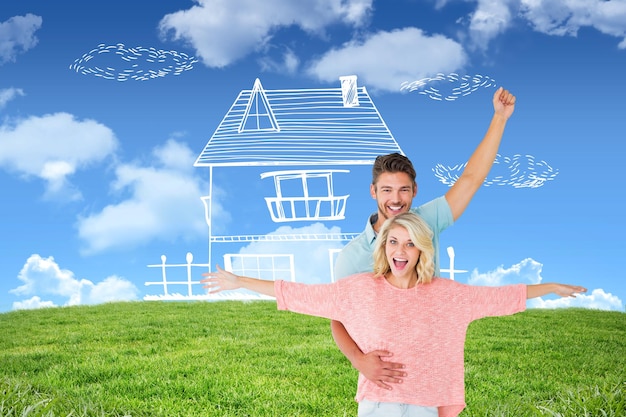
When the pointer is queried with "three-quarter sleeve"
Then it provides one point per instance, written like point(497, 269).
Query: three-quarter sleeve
point(497, 301)
point(312, 299)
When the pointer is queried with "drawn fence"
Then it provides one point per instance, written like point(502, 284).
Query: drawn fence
point(264, 266)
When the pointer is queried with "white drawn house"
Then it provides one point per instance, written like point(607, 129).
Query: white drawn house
point(307, 138)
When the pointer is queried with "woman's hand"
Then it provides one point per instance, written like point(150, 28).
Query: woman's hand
point(565, 290)
point(220, 280)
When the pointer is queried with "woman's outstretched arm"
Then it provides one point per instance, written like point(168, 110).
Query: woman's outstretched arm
point(221, 280)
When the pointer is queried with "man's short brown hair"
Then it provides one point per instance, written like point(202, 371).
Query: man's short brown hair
point(393, 162)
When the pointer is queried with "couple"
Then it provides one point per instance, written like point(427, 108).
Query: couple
point(402, 308)
point(393, 187)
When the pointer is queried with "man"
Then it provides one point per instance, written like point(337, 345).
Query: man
point(394, 187)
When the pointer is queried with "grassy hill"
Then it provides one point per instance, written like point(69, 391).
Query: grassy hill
point(247, 359)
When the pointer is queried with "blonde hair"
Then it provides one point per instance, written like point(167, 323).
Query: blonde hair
point(420, 235)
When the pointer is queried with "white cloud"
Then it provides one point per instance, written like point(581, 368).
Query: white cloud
point(552, 17)
point(32, 303)
point(490, 19)
point(221, 33)
point(528, 271)
point(385, 60)
point(112, 288)
point(9, 94)
point(53, 147)
point(17, 34)
point(598, 299)
point(558, 17)
point(43, 276)
point(164, 204)
point(288, 64)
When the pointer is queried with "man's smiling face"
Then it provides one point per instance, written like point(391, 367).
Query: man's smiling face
point(394, 192)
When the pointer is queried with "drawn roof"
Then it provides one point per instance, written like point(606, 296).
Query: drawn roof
point(299, 127)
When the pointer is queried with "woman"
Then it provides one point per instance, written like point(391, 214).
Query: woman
point(402, 308)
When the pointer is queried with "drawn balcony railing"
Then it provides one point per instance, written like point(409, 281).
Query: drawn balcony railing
point(303, 195)
point(286, 209)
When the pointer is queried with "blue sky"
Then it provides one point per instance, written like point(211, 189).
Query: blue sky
point(96, 153)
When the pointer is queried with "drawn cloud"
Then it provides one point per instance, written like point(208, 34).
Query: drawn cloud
point(517, 171)
point(448, 87)
point(117, 62)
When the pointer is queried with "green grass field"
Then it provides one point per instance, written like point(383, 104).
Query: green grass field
point(247, 359)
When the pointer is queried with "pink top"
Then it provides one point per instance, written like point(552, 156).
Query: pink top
point(424, 327)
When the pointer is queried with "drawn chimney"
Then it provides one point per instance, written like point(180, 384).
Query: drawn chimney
point(349, 91)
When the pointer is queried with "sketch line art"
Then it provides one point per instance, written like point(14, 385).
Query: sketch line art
point(305, 207)
point(314, 127)
point(258, 115)
point(265, 266)
point(448, 87)
point(519, 171)
point(117, 62)
point(451, 270)
point(306, 138)
point(302, 128)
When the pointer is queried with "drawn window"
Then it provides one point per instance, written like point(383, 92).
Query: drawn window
point(263, 266)
point(258, 114)
point(304, 195)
